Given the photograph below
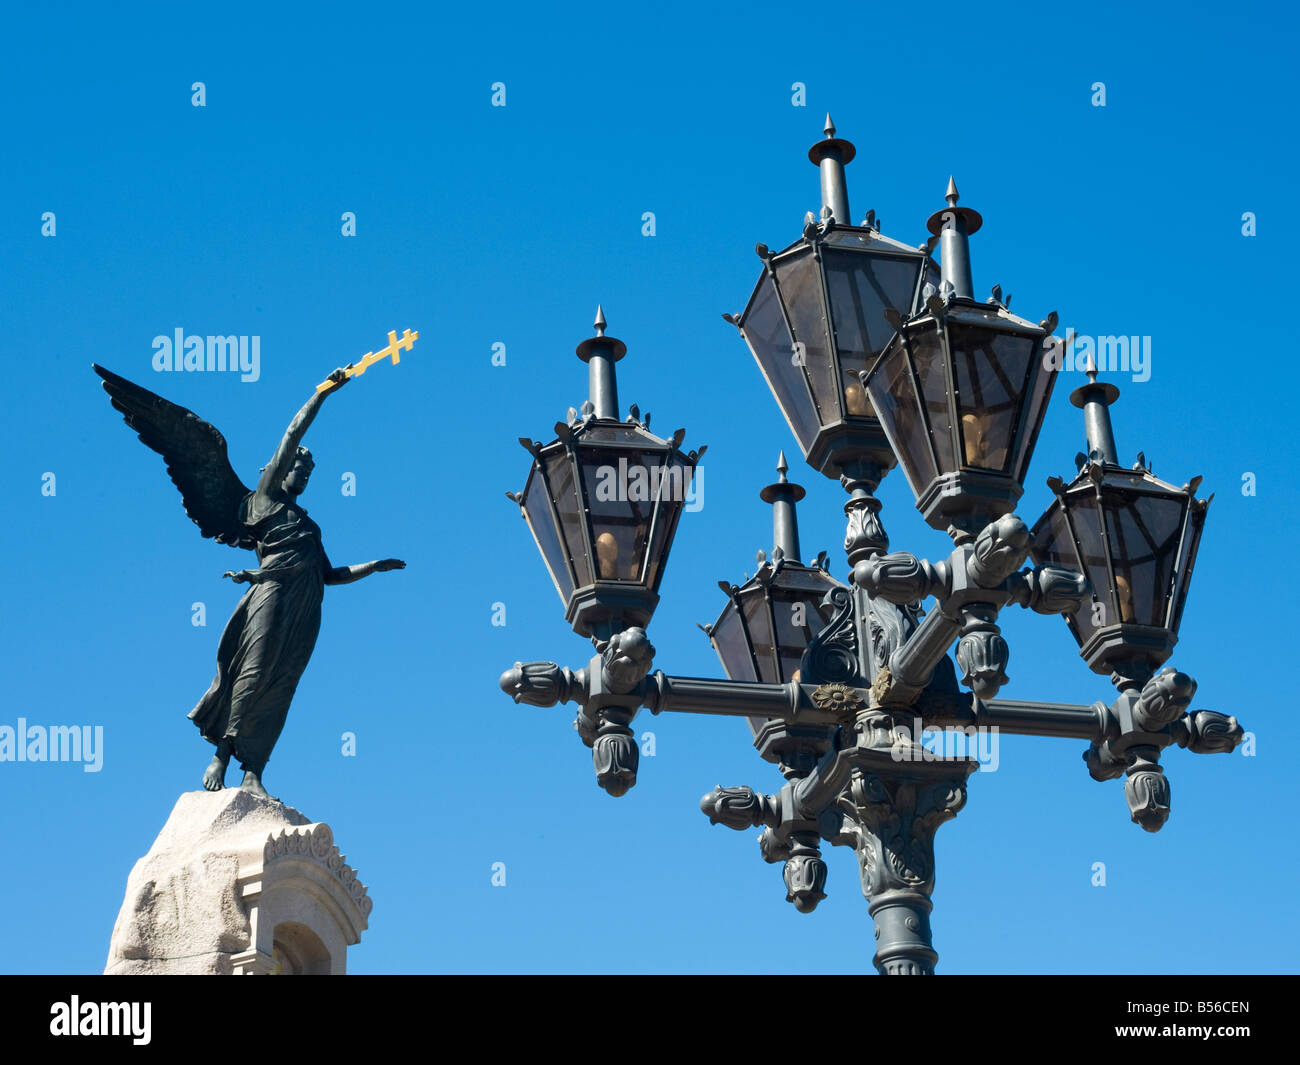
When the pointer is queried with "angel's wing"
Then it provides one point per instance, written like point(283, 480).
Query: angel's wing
point(195, 453)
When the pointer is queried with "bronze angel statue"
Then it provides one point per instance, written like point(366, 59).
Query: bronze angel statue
point(270, 637)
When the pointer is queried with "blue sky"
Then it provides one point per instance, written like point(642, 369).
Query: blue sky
point(478, 225)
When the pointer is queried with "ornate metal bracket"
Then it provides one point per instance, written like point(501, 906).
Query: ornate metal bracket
point(879, 792)
point(971, 586)
point(1141, 724)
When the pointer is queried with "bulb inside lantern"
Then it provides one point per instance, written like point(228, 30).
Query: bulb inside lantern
point(979, 452)
point(607, 555)
point(1125, 596)
point(855, 397)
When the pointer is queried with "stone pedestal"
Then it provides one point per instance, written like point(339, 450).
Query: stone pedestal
point(235, 884)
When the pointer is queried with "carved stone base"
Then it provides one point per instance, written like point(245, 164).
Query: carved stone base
point(235, 884)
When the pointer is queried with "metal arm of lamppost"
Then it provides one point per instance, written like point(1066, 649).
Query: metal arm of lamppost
point(954, 392)
point(546, 684)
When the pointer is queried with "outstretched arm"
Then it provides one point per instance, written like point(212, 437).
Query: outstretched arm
point(282, 461)
point(348, 574)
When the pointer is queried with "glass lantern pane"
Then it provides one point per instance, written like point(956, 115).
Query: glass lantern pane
point(800, 282)
point(1053, 542)
point(1055, 545)
point(900, 414)
point(990, 371)
point(799, 617)
point(730, 642)
point(792, 631)
point(1085, 519)
point(559, 475)
point(1186, 563)
point(769, 339)
point(860, 286)
point(1042, 380)
point(1144, 533)
point(619, 485)
point(759, 623)
point(928, 361)
point(674, 491)
point(541, 520)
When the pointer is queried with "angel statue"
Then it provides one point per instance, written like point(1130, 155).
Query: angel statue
point(270, 637)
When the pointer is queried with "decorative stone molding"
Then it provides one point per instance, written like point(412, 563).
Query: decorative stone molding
point(317, 841)
point(305, 903)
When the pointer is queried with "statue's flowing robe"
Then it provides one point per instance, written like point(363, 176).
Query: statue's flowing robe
point(270, 637)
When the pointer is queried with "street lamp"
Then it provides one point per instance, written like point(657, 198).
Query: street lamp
point(603, 500)
point(762, 635)
point(877, 357)
point(1136, 537)
point(816, 320)
point(961, 390)
point(769, 620)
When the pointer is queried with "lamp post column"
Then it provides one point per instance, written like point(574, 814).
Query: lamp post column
point(898, 807)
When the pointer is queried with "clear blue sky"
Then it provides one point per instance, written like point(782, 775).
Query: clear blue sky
point(478, 225)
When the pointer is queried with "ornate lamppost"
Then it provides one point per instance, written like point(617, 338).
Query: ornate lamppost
point(877, 357)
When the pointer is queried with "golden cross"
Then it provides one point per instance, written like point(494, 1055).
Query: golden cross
point(395, 344)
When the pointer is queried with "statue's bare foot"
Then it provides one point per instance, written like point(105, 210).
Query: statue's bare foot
point(253, 785)
point(214, 777)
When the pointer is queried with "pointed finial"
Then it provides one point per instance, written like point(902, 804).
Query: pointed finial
point(1094, 399)
point(967, 224)
point(785, 523)
point(830, 126)
point(600, 352)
